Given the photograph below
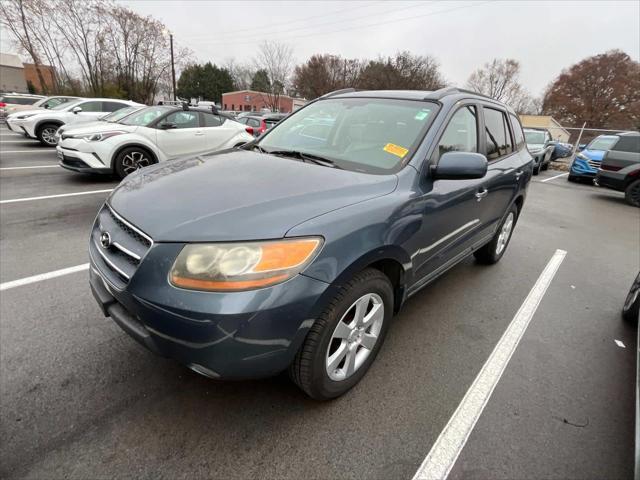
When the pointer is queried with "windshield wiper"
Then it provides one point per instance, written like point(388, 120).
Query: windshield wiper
point(306, 157)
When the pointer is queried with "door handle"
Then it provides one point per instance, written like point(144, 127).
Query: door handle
point(199, 134)
point(480, 194)
point(519, 174)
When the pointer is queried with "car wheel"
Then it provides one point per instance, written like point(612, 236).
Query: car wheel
point(47, 134)
point(131, 159)
point(545, 166)
point(572, 178)
point(631, 308)
point(632, 193)
point(493, 251)
point(536, 169)
point(344, 341)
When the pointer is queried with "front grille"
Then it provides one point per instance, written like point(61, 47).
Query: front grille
point(594, 163)
point(124, 251)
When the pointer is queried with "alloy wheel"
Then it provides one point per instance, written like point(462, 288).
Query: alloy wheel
point(48, 135)
point(505, 233)
point(134, 161)
point(355, 337)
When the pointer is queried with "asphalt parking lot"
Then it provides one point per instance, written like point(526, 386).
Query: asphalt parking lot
point(80, 399)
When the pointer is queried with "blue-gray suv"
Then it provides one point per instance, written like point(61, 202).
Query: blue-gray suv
point(294, 251)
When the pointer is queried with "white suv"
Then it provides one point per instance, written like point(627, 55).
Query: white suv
point(149, 135)
point(43, 124)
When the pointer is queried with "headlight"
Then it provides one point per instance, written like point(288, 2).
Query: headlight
point(98, 137)
point(582, 156)
point(22, 117)
point(242, 266)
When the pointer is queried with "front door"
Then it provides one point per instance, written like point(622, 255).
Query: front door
point(186, 136)
point(450, 212)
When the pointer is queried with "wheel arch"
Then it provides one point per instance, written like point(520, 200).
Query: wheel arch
point(42, 123)
point(144, 147)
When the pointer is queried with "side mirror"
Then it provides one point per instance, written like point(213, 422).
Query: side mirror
point(167, 125)
point(582, 146)
point(460, 166)
point(76, 110)
point(46, 106)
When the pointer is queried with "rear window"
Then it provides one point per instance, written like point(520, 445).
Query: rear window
point(518, 135)
point(629, 143)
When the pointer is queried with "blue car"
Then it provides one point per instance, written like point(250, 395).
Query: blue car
point(586, 163)
point(294, 251)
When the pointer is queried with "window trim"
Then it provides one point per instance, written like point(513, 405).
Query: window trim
point(484, 137)
point(434, 158)
point(524, 139)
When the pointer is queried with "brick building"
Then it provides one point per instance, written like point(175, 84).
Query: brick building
point(252, 101)
point(31, 75)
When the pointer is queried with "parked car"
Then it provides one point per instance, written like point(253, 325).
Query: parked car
point(258, 124)
point(149, 135)
point(631, 307)
point(561, 150)
point(292, 254)
point(43, 125)
point(44, 103)
point(540, 146)
point(112, 117)
point(10, 101)
point(620, 167)
point(586, 163)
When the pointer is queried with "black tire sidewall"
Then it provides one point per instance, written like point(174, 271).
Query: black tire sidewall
point(41, 129)
point(627, 193)
point(117, 163)
point(321, 385)
point(491, 256)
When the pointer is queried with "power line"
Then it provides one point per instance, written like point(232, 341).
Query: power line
point(264, 30)
point(387, 22)
point(261, 35)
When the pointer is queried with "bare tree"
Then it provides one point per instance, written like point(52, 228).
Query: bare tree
point(324, 73)
point(241, 73)
point(500, 79)
point(277, 60)
point(405, 71)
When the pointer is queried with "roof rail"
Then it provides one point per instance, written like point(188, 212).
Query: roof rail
point(443, 92)
point(338, 92)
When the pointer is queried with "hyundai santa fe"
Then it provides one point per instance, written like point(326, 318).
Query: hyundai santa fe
point(294, 251)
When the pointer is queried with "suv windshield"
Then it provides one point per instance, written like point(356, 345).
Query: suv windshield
point(602, 143)
point(119, 114)
point(66, 105)
point(534, 137)
point(372, 135)
point(145, 116)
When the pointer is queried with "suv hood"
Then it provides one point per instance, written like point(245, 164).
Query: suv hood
point(237, 195)
point(593, 154)
point(96, 127)
point(19, 113)
point(535, 146)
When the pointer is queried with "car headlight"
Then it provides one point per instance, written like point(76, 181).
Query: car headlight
point(582, 156)
point(227, 267)
point(27, 115)
point(100, 136)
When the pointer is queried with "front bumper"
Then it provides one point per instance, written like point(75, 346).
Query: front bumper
point(234, 335)
point(78, 161)
point(582, 168)
point(18, 126)
point(613, 180)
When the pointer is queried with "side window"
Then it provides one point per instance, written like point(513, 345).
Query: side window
point(112, 106)
point(184, 119)
point(242, 120)
point(628, 143)
point(518, 134)
point(252, 122)
point(497, 133)
point(91, 106)
point(461, 134)
point(211, 120)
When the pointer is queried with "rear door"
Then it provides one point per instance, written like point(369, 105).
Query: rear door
point(505, 167)
point(91, 110)
point(186, 138)
point(217, 131)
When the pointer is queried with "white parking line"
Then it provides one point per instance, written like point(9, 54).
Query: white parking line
point(43, 276)
point(26, 168)
point(27, 151)
point(24, 142)
point(447, 448)
point(45, 197)
point(554, 177)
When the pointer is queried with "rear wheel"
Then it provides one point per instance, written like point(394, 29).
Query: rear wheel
point(545, 166)
point(492, 252)
point(632, 193)
point(536, 169)
point(47, 134)
point(631, 308)
point(344, 341)
point(131, 159)
point(572, 178)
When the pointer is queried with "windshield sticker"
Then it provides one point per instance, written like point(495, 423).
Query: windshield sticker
point(422, 114)
point(396, 150)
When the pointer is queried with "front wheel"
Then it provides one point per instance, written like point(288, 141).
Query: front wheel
point(631, 307)
point(344, 341)
point(131, 159)
point(47, 134)
point(536, 169)
point(492, 252)
point(632, 193)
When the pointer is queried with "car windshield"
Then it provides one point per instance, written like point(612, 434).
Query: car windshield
point(68, 105)
point(145, 116)
point(534, 138)
point(119, 114)
point(372, 135)
point(602, 143)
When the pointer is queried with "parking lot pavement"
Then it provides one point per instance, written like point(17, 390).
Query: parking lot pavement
point(80, 399)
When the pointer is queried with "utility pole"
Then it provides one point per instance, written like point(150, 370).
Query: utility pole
point(173, 68)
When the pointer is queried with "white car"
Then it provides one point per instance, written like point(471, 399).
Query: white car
point(109, 117)
point(42, 125)
point(150, 135)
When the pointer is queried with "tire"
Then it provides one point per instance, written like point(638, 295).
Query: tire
point(536, 169)
point(545, 166)
point(333, 333)
point(131, 159)
point(572, 178)
point(493, 251)
point(632, 193)
point(631, 308)
point(46, 134)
